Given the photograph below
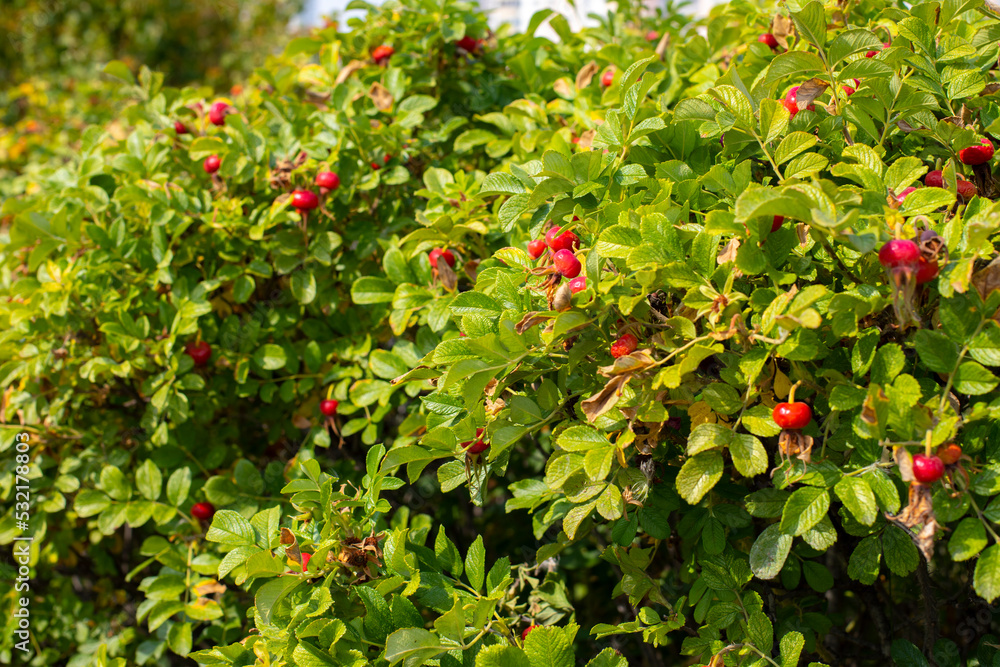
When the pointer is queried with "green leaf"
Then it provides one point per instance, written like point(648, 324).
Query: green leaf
point(550, 647)
point(769, 551)
point(273, 592)
point(972, 379)
point(968, 539)
point(229, 527)
point(804, 509)
point(864, 563)
point(412, 647)
point(857, 497)
point(901, 555)
point(503, 655)
point(499, 183)
point(760, 631)
point(698, 475)
point(905, 653)
point(926, 200)
point(793, 144)
point(791, 648)
point(773, 119)
point(987, 576)
point(937, 352)
point(369, 290)
point(749, 455)
point(270, 357)
point(113, 483)
point(705, 437)
point(811, 23)
point(475, 563)
point(149, 480)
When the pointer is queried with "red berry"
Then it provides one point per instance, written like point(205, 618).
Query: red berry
point(974, 155)
point(926, 270)
point(468, 43)
point(566, 263)
point(526, 631)
point(949, 453)
point(624, 345)
point(927, 469)
point(966, 189)
point(792, 97)
point(536, 248)
point(899, 252)
point(376, 166)
point(934, 179)
point(848, 90)
point(211, 164)
point(578, 284)
point(217, 113)
point(180, 128)
point(328, 407)
point(776, 224)
point(652, 36)
point(328, 180)
point(792, 107)
point(872, 54)
point(608, 77)
point(386, 159)
point(791, 415)
point(906, 191)
point(564, 241)
point(381, 54)
point(203, 511)
point(477, 447)
point(305, 200)
point(199, 352)
point(768, 39)
point(305, 561)
point(448, 255)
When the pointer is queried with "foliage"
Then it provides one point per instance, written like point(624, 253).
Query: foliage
point(657, 479)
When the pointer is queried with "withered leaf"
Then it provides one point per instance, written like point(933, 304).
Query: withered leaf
point(301, 421)
point(529, 320)
point(291, 545)
point(586, 75)
point(783, 29)
point(636, 362)
point(987, 279)
point(564, 88)
point(587, 138)
point(661, 47)
point(904, 461)
point(809, 91)
point(449, 279)
point(208, 587)
point(728, 253)
point(348, 70)
point(563, 298)
point(604, 400)
point(381, 96)
point(990, 89)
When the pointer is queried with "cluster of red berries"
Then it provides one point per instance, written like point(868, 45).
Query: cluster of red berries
point(562, 246)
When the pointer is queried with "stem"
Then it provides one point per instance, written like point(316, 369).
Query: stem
point(951, 376)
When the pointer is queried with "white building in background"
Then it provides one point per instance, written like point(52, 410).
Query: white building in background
point(515, 12)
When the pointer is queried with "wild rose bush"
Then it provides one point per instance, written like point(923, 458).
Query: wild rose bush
point(743, 392)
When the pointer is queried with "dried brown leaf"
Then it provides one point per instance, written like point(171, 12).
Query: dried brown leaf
point(809, 91)
point(661, 47)
point(604, 400)
point(348, 70)
point(563, 298)
point(987, 279)
point(529, 320)
point(381, 96)
point(291, 545)
point(449, 279)
point(728, 253)
point(783, 29)
point(636, 362)
point(564, 88)
point(587, 139)
point(586, 75)
point(904, 461)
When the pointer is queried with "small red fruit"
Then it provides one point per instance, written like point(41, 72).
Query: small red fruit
point(974, 155)
point(791, 97)
point(328, 407)
point(217, 113)
point(949, 453)
point(305, 561)
point(652, 36)
point(199, 352)
point(328, 180)
point(966, 189)
point(528, 629)
point(203, 511)
point(386, 159)
point(477, 447)
point(536, 248)
point(899, 252)
point(180, 128)
point(566, 263)
point(905, 193)
point(776, 224)
point(564, 241)
point(926, 270)
point(770, 40)
point(447, 255)
point(624, 345)
point(211, 164)
point(608, 77)
point(468, 43)
point(872, 54)
point(578, 284)
point(381, 54)
point(792, 415)
point(934, 179)
point(305, 200)
point(927, 469)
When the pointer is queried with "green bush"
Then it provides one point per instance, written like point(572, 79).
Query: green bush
point(729, 235)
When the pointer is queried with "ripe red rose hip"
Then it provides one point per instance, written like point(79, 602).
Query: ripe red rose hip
point(652, 36)
point(217, 113)
point(927, 270)
point(608, 77)
point(934, 179)
point(376, 166)
point(974, 155)
point(328, 407)
point(566, 263)
point(627, 344)
point(211, 164)
point(792, 415)
point(899, 252)
point(536, 248)
point(966, 189)
point(180, 128)
point(478, 446)
point(447, 255)
point(468, 43)
point(872, 54)
point(203, 511)
point(381, 54)
point(905, 193)
point(778, 221)
point(305, 200)
point(199, 352)
point(564, 241)
point(305, 561)
point(769, 40)
point(927, 469)
point(949, 453)
point(578, 284)
point(524, 635)
point(328, 180)
point(791, 102)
